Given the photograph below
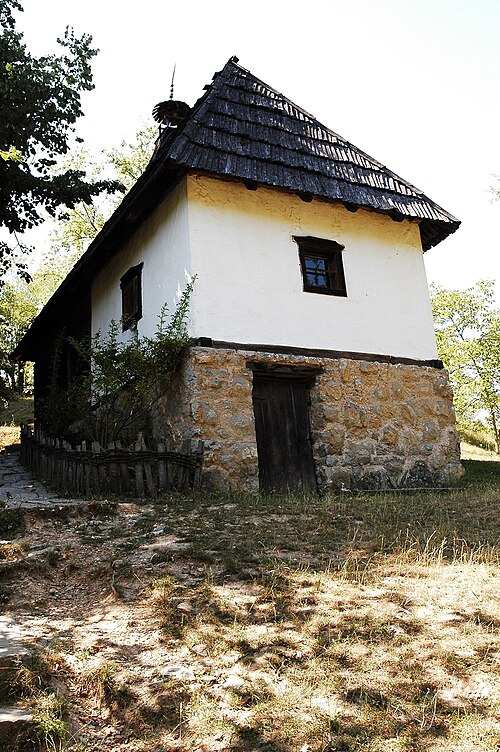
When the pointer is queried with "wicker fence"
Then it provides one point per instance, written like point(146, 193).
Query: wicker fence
point(89, 469)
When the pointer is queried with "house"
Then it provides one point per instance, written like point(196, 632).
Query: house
point(313, 360)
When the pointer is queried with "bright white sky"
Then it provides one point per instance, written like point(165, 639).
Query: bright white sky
point(414, 84)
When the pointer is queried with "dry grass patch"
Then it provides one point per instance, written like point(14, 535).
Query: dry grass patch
point(240, 624)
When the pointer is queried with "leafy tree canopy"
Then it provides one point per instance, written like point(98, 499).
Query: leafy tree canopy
point(21, 301)
point(468, 339)
point(77, 227)
point(40, 100)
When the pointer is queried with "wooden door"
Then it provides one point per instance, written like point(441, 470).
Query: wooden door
point(284, 449)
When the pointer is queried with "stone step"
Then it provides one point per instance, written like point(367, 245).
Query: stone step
point(13, 722)
point(12, 650)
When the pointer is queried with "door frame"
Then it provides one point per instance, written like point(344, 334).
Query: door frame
point(265, 371)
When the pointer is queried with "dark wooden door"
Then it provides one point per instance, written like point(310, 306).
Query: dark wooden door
point(284, 449)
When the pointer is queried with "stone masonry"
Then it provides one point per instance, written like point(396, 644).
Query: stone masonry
point(373, 425)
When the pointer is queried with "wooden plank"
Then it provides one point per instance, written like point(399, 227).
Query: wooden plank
point(78, 470)
point(86, 469)
point(114, 472)
point(162, 469)
point(150, 485)
point(200, 448)
point(124, 473)
point(316, 353)
point(183, 474)
point(68, 468)
point(171, 469)
point(95, 470)
point(139, 469)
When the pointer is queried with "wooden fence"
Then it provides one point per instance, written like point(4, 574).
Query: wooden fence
point(89, 469)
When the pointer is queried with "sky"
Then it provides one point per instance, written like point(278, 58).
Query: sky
point(414, 83)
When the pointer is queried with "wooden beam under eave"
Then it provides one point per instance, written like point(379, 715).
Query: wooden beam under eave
point(350, 207)
point(306, 197)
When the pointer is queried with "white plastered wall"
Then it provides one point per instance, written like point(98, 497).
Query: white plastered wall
point(162, 243)
point(249, 284)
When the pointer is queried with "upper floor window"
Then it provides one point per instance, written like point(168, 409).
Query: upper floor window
point(321, 265)
point(131, 287)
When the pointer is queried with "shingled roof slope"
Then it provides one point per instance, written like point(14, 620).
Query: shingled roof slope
point(242, 128)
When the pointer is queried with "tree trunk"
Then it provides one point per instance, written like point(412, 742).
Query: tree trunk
point(20, 378)
point(496, 432)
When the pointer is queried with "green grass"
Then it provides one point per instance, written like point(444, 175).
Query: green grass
point(481, 439)
point(481, 471)
point(18, 410)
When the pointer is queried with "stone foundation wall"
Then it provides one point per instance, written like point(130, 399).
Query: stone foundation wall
point(373, 425)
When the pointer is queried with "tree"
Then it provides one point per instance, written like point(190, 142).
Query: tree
point(17, 311)
point(40, 100)
point(468, 339)
point(21, 301)
point(77, 227)
point(131, 159)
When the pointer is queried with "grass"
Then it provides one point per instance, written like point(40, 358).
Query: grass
point(348, 623)
point(18, 410)
point(338, 624)
point(483, 439)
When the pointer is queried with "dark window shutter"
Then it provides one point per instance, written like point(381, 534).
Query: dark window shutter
point(131, 287)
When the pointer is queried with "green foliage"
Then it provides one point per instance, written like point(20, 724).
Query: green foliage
point(131, 159)
point(6, 17)
point(40, 100)
point(22, 300)
point(468, 339)
point(18, 308)
point(50, 728)
point(121, 379)
point(77, 227)
point(20, 303)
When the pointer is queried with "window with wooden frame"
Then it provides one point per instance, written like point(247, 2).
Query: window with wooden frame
point(321, 265)
point(131, 287)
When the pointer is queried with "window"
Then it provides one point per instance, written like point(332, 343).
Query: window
point(321, 265)
point(130, 285)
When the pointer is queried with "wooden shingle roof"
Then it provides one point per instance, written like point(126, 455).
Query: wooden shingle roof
point(242, 128)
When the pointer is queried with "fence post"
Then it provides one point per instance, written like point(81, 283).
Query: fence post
point(124, 474)
point(114, 471)
point(162, 470)
point(95, 466)
point(200, 447)
point(139, 477)
point(184, 473)
point(68, 477)
point(148, 472)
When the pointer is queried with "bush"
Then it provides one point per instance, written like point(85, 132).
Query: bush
point(122, 380)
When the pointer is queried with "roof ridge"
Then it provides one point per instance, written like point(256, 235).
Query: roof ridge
point(263, 83)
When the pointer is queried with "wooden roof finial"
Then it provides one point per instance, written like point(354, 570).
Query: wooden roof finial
point(172, 83)
point(172, 112)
